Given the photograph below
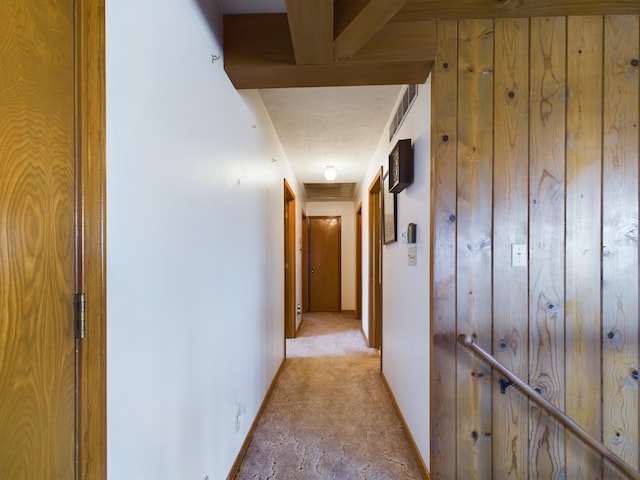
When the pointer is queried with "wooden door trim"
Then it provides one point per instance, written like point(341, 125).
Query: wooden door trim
point(359, 261)
point(304, 256)
point(290, 255)
point(374, 288)
point(91, 421)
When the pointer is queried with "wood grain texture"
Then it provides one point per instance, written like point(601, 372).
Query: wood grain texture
point(289, 221)
point(546, 240)
point(259, 54)
point(91, 268)
point(311, 27)
point(443, 279)
point(474, 236)
point(364, 25)
point(578, 128)
point(461, 9)
point(583, 239)
point(510, 226)
point(620, 239)
point(37, 180)
point(375, 262)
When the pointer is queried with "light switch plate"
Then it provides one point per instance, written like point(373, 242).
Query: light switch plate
point(518, 255)
point(412, 256)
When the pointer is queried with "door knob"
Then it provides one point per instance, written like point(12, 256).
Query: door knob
point(313, 270)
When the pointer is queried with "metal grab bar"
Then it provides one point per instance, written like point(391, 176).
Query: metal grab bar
point(468, 342)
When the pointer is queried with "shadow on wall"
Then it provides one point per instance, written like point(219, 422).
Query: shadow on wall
point(212, 13)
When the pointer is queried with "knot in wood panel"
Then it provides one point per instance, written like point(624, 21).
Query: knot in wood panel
point(617, 437)
point(482, 244)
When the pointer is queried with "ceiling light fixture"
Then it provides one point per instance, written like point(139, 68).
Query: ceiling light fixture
point(330, 172)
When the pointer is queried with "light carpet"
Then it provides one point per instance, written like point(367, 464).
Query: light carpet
point(329, 415)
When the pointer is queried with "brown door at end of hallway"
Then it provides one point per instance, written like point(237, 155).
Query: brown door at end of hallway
point(37, 241)
point(324, 264)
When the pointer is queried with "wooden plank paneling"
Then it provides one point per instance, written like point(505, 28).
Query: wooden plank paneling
point(443, 351)
point(565, 178)
point(583, 239)
point(546, 240)
point(474, 191)
point(620, 239)
point(459, 9)
point(510, 226)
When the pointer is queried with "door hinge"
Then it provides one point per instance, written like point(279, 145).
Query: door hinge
point(79, 304)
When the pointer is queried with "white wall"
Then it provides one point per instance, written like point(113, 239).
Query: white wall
point(346, 210)
point(405, 298)
point(195, 246)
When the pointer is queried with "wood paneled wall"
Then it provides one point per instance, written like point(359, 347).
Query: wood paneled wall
point(535, 143)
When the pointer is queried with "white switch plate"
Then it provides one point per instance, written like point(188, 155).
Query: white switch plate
point(412, 256)
point(518, 255)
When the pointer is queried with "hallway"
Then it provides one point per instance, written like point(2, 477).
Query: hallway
point(329, 415)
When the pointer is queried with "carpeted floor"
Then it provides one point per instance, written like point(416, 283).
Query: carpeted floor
point(329, 416)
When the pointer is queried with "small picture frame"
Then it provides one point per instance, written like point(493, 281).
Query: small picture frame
point(389, 209)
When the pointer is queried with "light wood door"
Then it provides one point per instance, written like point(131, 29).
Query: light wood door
point(289, 261)
point(375, 262)
point(303, 268)
point(324, 264)
point(37, 240)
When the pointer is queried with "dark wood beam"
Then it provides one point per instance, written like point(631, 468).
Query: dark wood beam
point(311, 26)
point(367, 22)
point(259, 54)
point(344, 12)
point(468, 9)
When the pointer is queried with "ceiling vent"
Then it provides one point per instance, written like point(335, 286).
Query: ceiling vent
point(330, 192)
point(408, 98)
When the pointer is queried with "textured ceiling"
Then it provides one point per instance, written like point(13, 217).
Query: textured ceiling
point(321, 126)
point(339, 126)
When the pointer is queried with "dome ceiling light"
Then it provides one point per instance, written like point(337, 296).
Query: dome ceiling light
point(330, 173)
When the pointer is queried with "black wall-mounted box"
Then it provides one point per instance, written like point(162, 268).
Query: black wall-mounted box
point(400, 166)
point(411, 233)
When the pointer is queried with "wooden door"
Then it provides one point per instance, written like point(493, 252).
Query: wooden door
point(37, 240)
point(303, 254)
point(375, 262)
point(324, 264)
point(289, 261)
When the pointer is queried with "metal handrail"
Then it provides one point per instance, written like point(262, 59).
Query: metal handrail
point(468, 342)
